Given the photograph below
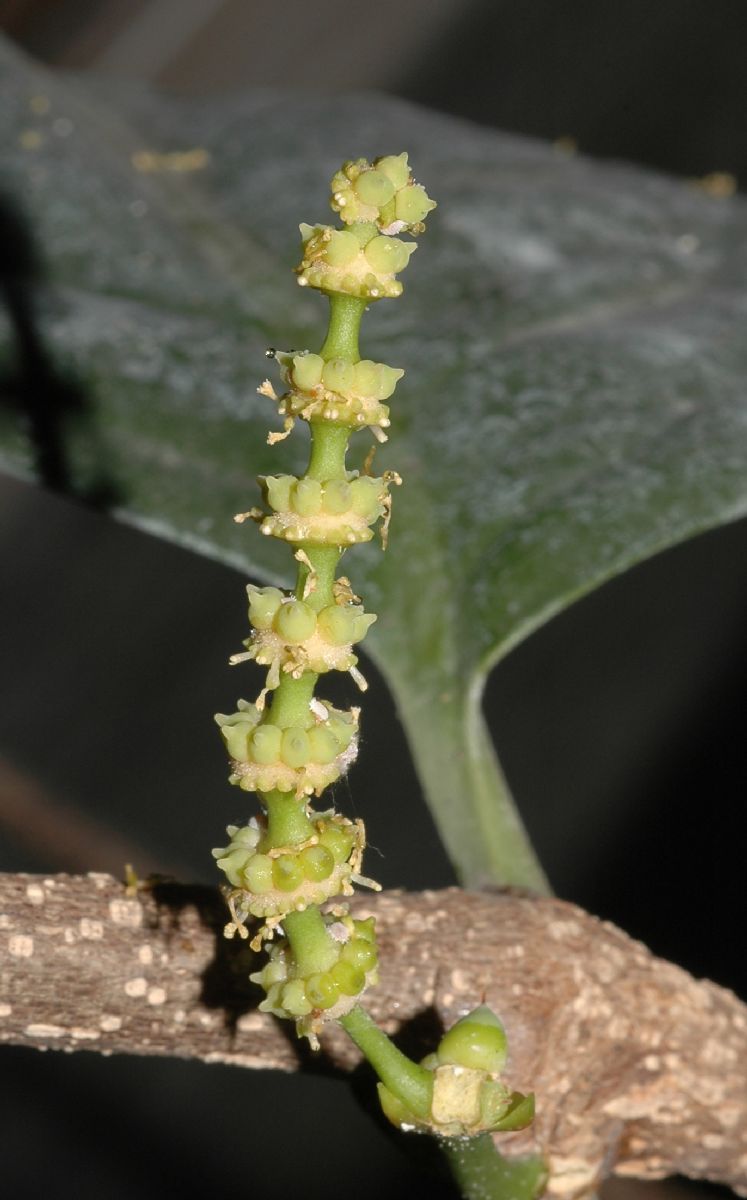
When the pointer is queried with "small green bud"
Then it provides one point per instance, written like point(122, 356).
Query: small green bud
point(293, 998)
point(317, 863)
point(366, 497)
point(341, 249)
point(362, 622)
point(359, 954)
point(339, 375)
point(388, 255)
point(413, 204)
point(263, 604)
point(337, 496)
point(336, 624)
point(287, 873)
point(258, 874)
point(364, 232)
point(265, 744)
point(322, 991)
point(295, 750)
point(278, 488)
point(307, 371)
point(295, 621)
point(235, 736)
point(307, 497)
point(349, 979)
point(232, 864)
point(396, 168)
point(342, 731)
point(374, 187)
point(324, 745)
point(477, 1041)
point(366, 930)
point(376, 380)
point(339, 841)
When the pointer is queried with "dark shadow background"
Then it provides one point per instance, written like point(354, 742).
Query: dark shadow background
point(619, 724)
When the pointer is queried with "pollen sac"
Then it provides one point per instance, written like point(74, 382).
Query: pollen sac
point(338, 512)
point(383, 193)
point(358, 262)
point(300, 759)
point(468, 1096)
point(289, 879)
point(311, 1000)
point(337, 391)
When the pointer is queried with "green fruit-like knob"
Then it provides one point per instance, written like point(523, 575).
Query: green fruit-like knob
point(294, 998)
point(317, 863)
point(349, 979)
point(396, 168)
point(477, 1040)
point(265, 744)
point(295, 750)
point(287, 873)
point(342, 731)
point(374, 188)
point(336, 624)
point(322, 991)
point(337, 496)
point(388, 255)
point(307, 497)
point(258, 874)
point(295, 621)
point(341, 249)
point(338, 375)
point(359, 954)
point(413, 204)
point(278, 489)
point(367, 497)
point(263, 604)
point(324, 745)
point(307, 371)
point(339, 841)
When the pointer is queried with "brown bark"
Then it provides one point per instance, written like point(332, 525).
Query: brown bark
point(638, 1068)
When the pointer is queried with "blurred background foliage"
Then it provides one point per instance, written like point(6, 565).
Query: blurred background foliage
point(619, 724)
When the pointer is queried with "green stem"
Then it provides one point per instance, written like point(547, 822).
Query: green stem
point(482, 1173)
point(324, 560)
point(313, 948)
point(291, 698)
point(345, 313)
point(411, 1084)
point(328, 446)
point(287, 821)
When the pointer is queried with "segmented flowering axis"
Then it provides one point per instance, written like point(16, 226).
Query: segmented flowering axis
point(289, 746)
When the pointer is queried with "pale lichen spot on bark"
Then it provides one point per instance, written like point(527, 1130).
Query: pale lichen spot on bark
point(136, 987)
point(248, 1022)
point(45, 1031)
point(5, 921)
point(559, 930)
point(126, 912)
point(84, 1035)
point(20, 945)
point(156, 995)
point(69, 936)
point(6, 1010)
point(93, 931)
point(35, 894)
point(460, 981)
point(145, 955)
point(110, 1023)
point(652, 1062)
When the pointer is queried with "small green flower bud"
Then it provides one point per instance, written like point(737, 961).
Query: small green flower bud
point(376, 380)
point(366, 930)
point(307, 497)
point(359, 954)
point(477, 1041)
point(295, 750)
point(413, 204)
point(317, 863)
point(278, 488)
point(343, 731)
point(258, 874)
point(366, 497)
point(293, 998)
point(349, 979)
point(324, 745)
point(336, 624)
point(364, 232)
point(341, 249)
point(374, 187)
point(295, 621)
point(337, 496)
point(362, 622)
point(265, 744)
point(339, 842)
point(232, 865)
point(388, 255)
point(263, 604)
point(235, 737)
point(396, 168)
point(287, 873)
point(339, 375)
point(307, 371)
point(322, 991)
